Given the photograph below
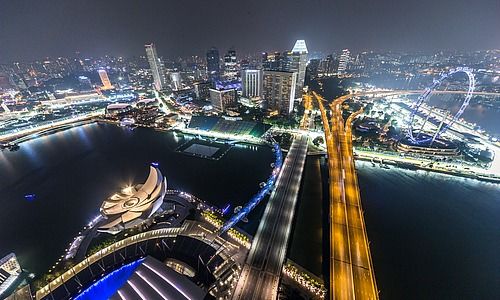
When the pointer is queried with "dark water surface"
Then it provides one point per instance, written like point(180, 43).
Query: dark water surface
point(72, 171)
point(432, 236)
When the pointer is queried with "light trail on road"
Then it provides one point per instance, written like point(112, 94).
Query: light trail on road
point(351, 271)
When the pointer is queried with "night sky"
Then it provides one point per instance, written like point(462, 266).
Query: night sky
point(32, 29)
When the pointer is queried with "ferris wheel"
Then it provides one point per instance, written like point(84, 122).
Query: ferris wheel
point(446, 122)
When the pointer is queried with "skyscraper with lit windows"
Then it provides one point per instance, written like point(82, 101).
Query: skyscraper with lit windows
point(230, 65)
point(213, 66)
point(159, 80)
point(279, 91)
point(251, 83)
point(344, 60)
point(297, 64)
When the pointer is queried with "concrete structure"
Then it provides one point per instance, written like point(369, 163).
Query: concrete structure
point(134, 205)
point(106, 83)
point(176, 81)
point(439, 147)
point(279, 91)
point(117, 109)
point(222, 99)
point(9, 273)
point(251, 83)
point(328, 66)
point(351, 268)
point(213, 64)
point(261, 273)
point(313, 67)
point(345, 58)
point(262, 270)
point(196, 242)
point(145, 278)
point(297, 63)
point(202, 90)
point(159, 80)
point(275, 61)
point(148, 103)
point(230, 65)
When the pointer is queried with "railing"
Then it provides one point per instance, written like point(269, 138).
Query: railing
point(70, 273)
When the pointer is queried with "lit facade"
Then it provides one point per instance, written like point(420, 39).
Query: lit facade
point(279, 90)
point(251, 81)
point(213, 66)
point(297, 63)
point(156, 67)
point(222, 99)
point(9, 272)
point(133, 205)
point(176, 80)
point(202, 90)
point(344, 60)
point(106, 83)
point(230, 65)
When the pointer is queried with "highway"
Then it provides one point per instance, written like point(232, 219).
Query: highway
point(261, 273)
point(351, 270)
point(260, 276)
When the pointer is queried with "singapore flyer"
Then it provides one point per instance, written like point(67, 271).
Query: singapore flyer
point(416, 136)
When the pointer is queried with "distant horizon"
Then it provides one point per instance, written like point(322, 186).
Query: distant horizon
point(239, 54)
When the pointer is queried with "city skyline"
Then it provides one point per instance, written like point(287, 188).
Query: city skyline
point(98, 28)
point(257, 150)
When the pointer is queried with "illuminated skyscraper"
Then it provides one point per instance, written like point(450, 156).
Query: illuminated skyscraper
point(276, 61)
point(297, 63)
point(213, 67)
point(202, 90)
point(251, 83)
point(106, 83)
point(156, 67)
point(329, 65)
point(176, 80)
point(313, 67)
point(230, 65)
point(345, 58)
point(279, 90)
point(222, 98)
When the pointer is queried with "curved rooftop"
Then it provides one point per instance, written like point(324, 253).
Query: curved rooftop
point(118, 106)
point(134, 204)
point(146, 278)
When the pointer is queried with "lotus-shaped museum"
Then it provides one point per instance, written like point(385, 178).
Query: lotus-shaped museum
point(133, 205)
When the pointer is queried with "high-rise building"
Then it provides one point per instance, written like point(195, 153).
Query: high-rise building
point(230, 65)
point(313, 67)
point(344, 60)
point(213, 67)
point(251, 83)
point(202, 90)
point(297, 63)
point(275, 61)
point(159, 80)
point(328, 66)
point(244, 64)
point(279, 90)
point(222, 99)
point(176, 81)
point(106, 83)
